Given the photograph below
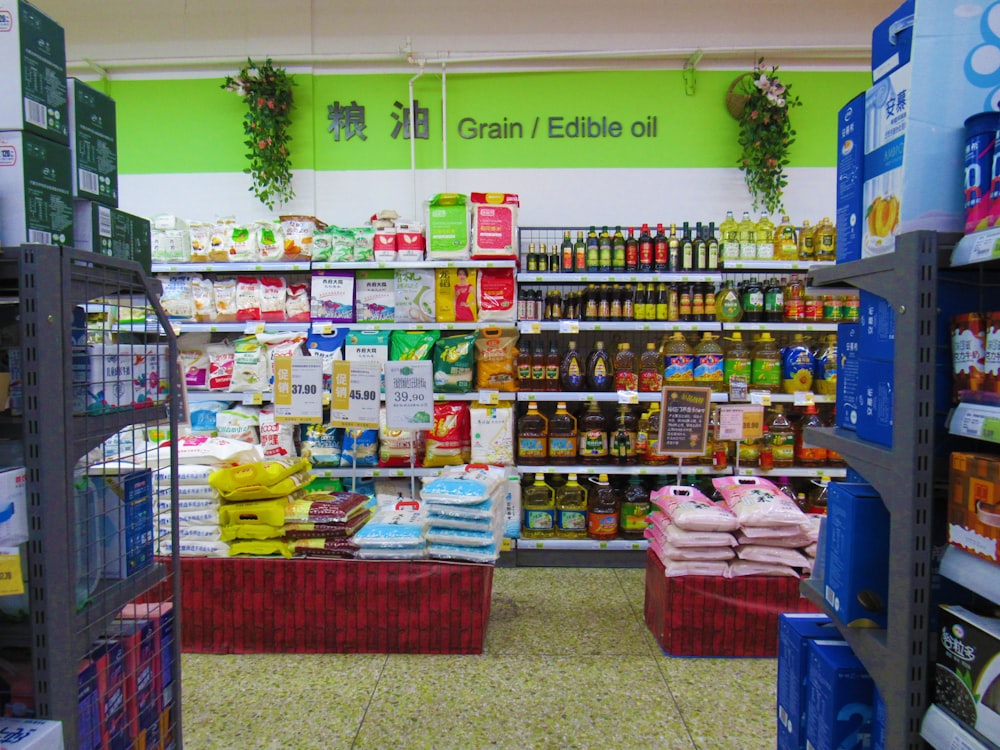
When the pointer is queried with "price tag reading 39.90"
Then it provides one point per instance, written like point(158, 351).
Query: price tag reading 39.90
point(409, 395)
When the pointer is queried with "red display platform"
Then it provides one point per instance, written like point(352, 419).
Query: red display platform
point(711, 616)
point(266, 605)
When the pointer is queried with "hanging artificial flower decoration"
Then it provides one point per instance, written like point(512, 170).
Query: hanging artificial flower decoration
point(267, 92)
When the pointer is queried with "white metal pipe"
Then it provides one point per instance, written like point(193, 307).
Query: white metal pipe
point(444, 124)
point(413, 140)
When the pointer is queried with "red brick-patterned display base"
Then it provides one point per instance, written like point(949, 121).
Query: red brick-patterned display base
point(710, 616)
point(263, 605)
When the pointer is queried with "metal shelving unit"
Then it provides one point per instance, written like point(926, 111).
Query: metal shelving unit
point(49, 283)
point(897, 657)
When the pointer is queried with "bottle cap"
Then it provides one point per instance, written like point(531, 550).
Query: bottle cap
point(572, 477)
point(602, 478)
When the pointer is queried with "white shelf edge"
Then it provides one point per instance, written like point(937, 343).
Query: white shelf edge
point(319, 326)
point(805, 327)
point(563, 326)
point(236, 267)
point(979, 421)
point(540, 277)
point(795, 471)
point(972, 572)
point(737, 264)
point(373, 471)
point(978, 247)
point(633, 470)
point(402, 265)
point(944, 732)
point(583, 545)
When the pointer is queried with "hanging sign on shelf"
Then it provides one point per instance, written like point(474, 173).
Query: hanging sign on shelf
point(740, 422)
point(684, 416)
point(356, 394)
point(298, 389)
point(409, 395)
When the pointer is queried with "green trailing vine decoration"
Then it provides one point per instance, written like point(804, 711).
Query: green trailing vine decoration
point(765, 134)
point(267, 92)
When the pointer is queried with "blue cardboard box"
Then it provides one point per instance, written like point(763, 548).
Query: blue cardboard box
point(848, 375)
point(875, 408)
point(795, 630)
point(856, 575)
point(878, 328)
point(850, 179)
point(89, 716)
point(839, 707)
point(892, 40)
point(878, 721)
point(125, 507)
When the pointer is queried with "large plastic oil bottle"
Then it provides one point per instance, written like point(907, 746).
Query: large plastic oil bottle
point(603, 510)
point(765, 369)
point(571, 510)
point(538, 510)
point(678, 368)
point(709, 363)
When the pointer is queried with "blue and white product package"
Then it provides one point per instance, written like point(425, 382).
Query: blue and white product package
point(878, 328)
point(850, 178)
point(795, 630)
point(394, 528)
point(848, 375)
point(839, 698)
point(360, 448)
point(876, 408)
point(321, 444)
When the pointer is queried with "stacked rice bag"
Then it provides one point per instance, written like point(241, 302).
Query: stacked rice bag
point(467, 511)
point(256, 497)
point(394, 532)
point(772, 532)
point(691, 534)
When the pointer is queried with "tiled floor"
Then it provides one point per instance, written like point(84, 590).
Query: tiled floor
point(568, 663)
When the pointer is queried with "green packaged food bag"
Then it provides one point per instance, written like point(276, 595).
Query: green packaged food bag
point(412, 344)
point(454, 362)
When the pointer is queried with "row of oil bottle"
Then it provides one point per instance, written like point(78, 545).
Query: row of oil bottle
point(688, 250)
point(765, 365)
point(773, 300)
point(557, 506)
point(631, 436)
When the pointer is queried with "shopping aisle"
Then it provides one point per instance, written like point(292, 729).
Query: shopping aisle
point(568, 663)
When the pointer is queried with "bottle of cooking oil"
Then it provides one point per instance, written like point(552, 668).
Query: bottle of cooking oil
point(562, 436)
point(592, 442)
point(727, 304)
point(532, 436)
point(603, 509)
point(635, 508)
point(806, 453)
point(825, 372)
point(786, 245)
point(626, 377)
point(729, 243)
point(642, 437)
point(765, 368)
point(708, 363)
point(738, 359)
point(650, 370)
point(825, 240)
point(622, 439)
point(538, 510)
point(571, 510)
point(654, 456)
point(604, 251)
point(765, 237)
point(678, 367)
point(797, 365)
point(782, 438)
point(748, 237)
point(806, 249)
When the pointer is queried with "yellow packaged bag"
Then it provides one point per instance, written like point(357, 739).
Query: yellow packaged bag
point(496, 351)
point(287, 486)
point(261, 547)
point(260, 473)
point(251, 531)
point(266, 512)
point(455, 295)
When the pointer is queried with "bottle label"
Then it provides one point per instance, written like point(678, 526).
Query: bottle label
point(650, 381)
point(737, 367)
point(623, 444)
point(765, 250)
point(730, 250)
point(773, 302)
point(754, 302)
point(678, 367)
point(571, 520)
point(573, 377)
point(626, 380)
point(783, 447)
point(538, 372)
point(531, 447)
point(765, 372)
point(602, 524)
point(661, 253)
point(646, 253)
point(730, 308)
point(795, 308)
point(562, 447)
point(539, 520)
point(633, 516)
point(552, 372)
point(748, 250)
point(593, 444)
point(524, 372)
point(708, 367)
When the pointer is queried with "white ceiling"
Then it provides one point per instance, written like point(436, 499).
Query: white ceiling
point(123, 34)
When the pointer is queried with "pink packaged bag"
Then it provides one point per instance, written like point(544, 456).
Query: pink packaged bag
point(692, 511)
point(758, 502)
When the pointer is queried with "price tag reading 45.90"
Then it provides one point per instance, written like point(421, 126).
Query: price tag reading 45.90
point(409, 395)
point(356, 388)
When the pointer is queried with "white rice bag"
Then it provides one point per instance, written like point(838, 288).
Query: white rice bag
point(455, 491)
point(758, 502)
point(485, 509)
point(192, 350)
point(277, 439)
point(787, 542)
point(461, 537)
point(395, 528)
point(186, 474)
point(689, 509)
point(270, 239)
point(391, 553)
point(492, 432)
point(681, 538)
point(193, 548)
point(480, 525)
point(239, 423)
point(780, 555)
point(194, 504)
point(738, 568)
point(670, 552)
point(177, 299)
point(215, 451)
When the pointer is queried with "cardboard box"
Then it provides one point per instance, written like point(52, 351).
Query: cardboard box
point(850, 178)
point(162, 615)
point(795, 630)
point(974, 504)
point(117, 376)
point(109, 231)
point(124, 505)
point(875, 409)
point(967, 674)
point(375, 295)
point(109, 656)
point(36, 204)
point(33, 87)
point(856, 574)
point(13, 506)
point(848, 375)
point(839, 699)
point(332, 296)
point(878, 328)
point(447, 227)
point(89, 717)
point(31, 734)
point(138, 639)
point(93, 142)
point(892, 40)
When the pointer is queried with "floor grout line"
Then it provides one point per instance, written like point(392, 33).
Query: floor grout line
point(371, 698)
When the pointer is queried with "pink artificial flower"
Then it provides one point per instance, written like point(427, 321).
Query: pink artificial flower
point(261, 144)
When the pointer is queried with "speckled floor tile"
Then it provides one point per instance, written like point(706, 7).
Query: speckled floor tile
point(276, 701)
point(531, 605)
point(467, 703)
point(633, 583)
point(741, 690)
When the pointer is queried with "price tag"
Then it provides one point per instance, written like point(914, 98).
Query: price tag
point(986, 246)
point(11, 580)
point(254, 327)
point(323, 329)
point(738, 388)
point(489, 398)
point(760, 398)
point(298, 389)
point(534, 327)
point(409, 395)
point(739, 422)
point(803, 398)
point(569, 326)
point(355, 399)
point(628, 397)
point(506, 544)
point(253, 399)
point(972, 424)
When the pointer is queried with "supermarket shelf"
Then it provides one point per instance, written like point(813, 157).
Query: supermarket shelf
point(483, 397)
point(869, 644)
point(789, 398)
point(870, 460)
point(735, 264)
point(617, 396)
point(972, 572)
point(943, 731)
point(573, 326)
point(371, 325)
point(795, 471)
point(621, 278)
point(590, 545)
point(183, 326)
point(580, 553)
point(978, 247)
point(253, 267)
point(778, 327)
point(374, 471)
point(111, 596)
point(244, 397)
point(15, 635)
point(402, 265)
point(593, 470)
point(90, 430)
point(980, 421)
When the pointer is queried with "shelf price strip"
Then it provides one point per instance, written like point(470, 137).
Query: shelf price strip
point(298, 389)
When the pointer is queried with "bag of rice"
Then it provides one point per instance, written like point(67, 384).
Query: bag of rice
point(467, 553)
point(257, 474)
point(415, 295)
point(273, 290)
point(360, 448)
point(411, 345)
point(395, 446)
point(297, 303)
point(203, 299)
point(758, 502)
point(321, 444)
point(248, 298)
point(494, 225)
point(267, 512)
point(277, 439)
point(260, 548)
point(239, 423)
point(780, 555)
point(364, 244)
point(455, 295)
point(738, 568)
point(215, 451)
point(689, 509)
point(177, 299)
point(497, 295)
point(270, 239)
point(244, 244)
point(375, 296)
point(496, 352)
point(447, 440)
point(225, 300)
point(331, 547)
point(201, 240)
point(454, 362)
point(329, 346)
point(394, 528)
point(492, 434)
point(250, 531)
point(192, 350)
point(203, 417)
point(250, 370)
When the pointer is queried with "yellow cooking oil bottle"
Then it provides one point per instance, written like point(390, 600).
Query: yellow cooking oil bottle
point(538, 510)
point(571, 509)
point(708, 363)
